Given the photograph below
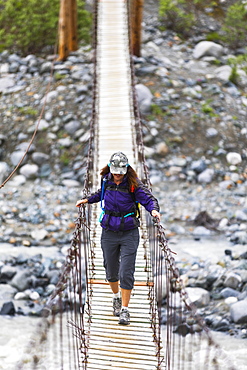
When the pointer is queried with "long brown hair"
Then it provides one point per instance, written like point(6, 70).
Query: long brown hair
point(131, 176)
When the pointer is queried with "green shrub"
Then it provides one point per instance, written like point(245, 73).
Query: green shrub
point(58, 76)
point(207, 109)
point(65, 158)
point(239, 61)
point(235, 25)
point(175, 16)
point(156, 110)
point(234, 76)
point(182, 16)
point(28, 111)
point(213, 36)
point(27, 26)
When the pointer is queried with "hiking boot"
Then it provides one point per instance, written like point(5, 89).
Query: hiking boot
point(124, 318)
point(117, 304)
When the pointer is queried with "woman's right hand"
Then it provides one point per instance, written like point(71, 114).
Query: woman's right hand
point(80, 202)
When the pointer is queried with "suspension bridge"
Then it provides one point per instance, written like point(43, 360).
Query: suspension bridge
point(78, 330)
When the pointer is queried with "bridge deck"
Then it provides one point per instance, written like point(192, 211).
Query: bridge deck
point(113, 346)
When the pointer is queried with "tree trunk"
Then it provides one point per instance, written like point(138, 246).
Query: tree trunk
point(136, 12)
point(64, 29)
point(73, 39)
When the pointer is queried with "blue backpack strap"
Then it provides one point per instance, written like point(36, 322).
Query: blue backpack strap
point(103, 185)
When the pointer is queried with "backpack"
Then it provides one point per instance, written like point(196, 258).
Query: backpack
point(104, 186)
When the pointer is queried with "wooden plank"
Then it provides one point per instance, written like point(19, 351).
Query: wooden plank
point(135, 310)
point(101, 354)
point(137, 302)
point(118, 355)
point(126, 347)
point(137, 283)
point(132, 330)
point(102, 365)
point(134, 321)
point(122, 334)
point(98, 323)
point(128, 342)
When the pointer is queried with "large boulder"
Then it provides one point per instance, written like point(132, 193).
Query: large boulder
point(238, 312)
point(144, 97)
point(199, 296)
point(223, 72)
point(207, 48)
point(5, 83)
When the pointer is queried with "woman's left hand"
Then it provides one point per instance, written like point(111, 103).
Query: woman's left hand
point(156, 214)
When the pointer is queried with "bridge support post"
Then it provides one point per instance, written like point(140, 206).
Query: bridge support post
point(136, 12)
point(73, 39)
point(67, 28)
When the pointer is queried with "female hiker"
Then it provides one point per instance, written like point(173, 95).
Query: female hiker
point(120, 192)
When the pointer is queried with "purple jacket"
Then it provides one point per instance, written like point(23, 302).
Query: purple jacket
point(120, 204)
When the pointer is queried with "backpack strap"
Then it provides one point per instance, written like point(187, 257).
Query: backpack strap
point(137, 204)
point(102, 205)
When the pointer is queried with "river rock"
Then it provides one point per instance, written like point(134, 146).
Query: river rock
point(7, 273)
point(25, 145)
point(43, 124)
point(206, 176)
point(233, 158)
point(144, 97)
point(39, 158)
point(71, 183)
point(21, 296)
point(229, 292)
point(210, 48)
point(21, 280)
point(223, 223)
point(17, 180)
point(7, 292)
point(5, 83)
point(14, 67)
point(39, 234)
point(201, 231)
point(162, 148)
point(230, 300)
point(45, 67)
point(65, 142)
point(52, 95)
point(4, 68)
point(223, 72)
point(177, 229)
point(72, 126)
point(30, 171)
point(198, 166)
point(34, 296)
point(239, 237)
point(232, 280)
point(4, 168)
point(238, 312)
point(241, 215)
point(8, 308)
point(199, 296)
point(211, 132)
point(16, 156)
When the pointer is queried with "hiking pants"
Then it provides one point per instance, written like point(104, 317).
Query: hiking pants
point(119, 252)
